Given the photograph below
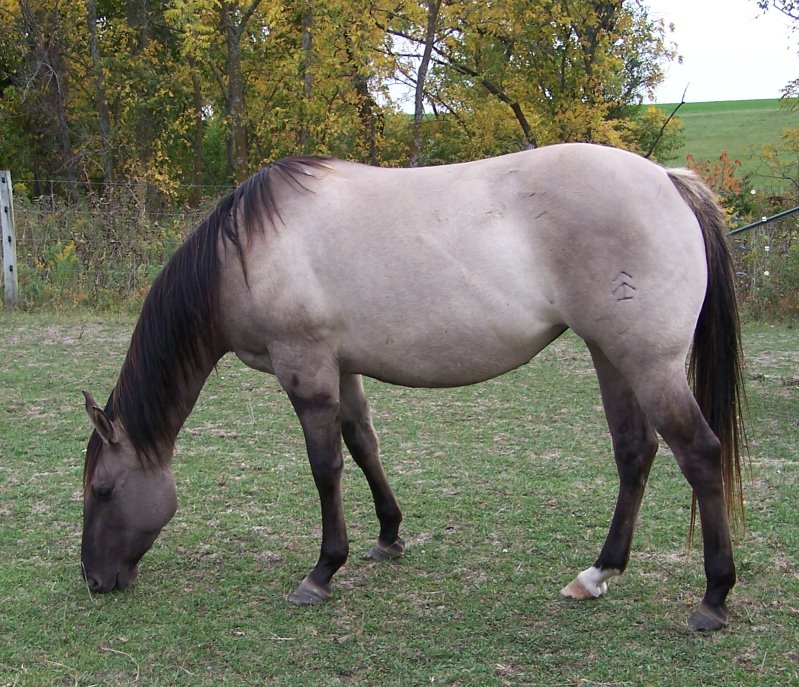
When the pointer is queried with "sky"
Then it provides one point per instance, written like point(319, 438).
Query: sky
point(731, 50)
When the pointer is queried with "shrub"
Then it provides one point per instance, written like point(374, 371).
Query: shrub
point(90, 252)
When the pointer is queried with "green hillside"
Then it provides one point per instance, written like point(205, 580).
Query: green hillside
point(740, 126)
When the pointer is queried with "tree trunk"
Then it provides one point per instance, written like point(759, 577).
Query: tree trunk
point(49, 72)
point(234, 30)
point(104, 121)
point(304, 135)
point(137, 15)
point(433, 8)
point(236, 109)
point(371, 119)
point(197, 172)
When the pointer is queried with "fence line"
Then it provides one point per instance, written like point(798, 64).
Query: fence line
point(105, 252)
point(764, 220)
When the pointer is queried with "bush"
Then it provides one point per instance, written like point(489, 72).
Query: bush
point(766, 257)
point(90, 252)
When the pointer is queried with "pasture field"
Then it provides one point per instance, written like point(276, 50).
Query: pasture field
point(507, 489)
point(742, 127)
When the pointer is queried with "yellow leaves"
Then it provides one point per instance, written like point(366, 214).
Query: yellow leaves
point(315, 74)
point(198, 23)
point(568, 67)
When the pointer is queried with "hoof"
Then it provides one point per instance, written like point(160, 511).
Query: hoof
point(379, 552)
point(708, 619)
point(309, 594)
point(589, 584)
point(576, 590)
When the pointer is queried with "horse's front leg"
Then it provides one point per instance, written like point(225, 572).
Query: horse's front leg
point(312, 384)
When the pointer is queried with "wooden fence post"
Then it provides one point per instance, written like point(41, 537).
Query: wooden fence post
point(9, 241)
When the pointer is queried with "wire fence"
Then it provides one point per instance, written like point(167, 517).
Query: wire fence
point(103, 248)
point(767, 266)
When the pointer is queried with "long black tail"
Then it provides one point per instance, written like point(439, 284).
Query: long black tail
point(715, 367)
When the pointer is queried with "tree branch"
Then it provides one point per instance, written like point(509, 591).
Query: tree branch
point(665, 124)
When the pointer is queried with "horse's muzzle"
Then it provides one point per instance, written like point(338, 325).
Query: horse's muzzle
point(120, 580)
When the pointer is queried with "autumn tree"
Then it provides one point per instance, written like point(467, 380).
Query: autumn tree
point(98, 81)
point(172, 96)
point(37, 72)
point(560, 70)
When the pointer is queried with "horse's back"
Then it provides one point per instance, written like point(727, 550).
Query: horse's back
point(453, 274)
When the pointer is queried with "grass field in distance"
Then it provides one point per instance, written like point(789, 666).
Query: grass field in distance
point(742, 127)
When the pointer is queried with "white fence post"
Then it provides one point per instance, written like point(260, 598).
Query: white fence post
point(9, 241)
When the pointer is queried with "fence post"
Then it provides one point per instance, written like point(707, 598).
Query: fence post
point(9, 241)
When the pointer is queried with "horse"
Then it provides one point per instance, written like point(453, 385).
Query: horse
point(321, 271)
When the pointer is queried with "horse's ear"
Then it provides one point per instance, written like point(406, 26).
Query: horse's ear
point(102, 423)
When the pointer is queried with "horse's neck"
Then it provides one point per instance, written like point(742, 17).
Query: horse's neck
point(166, 411)
point(187, 392)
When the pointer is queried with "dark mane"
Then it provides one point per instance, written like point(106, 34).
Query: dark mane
point(177, 333)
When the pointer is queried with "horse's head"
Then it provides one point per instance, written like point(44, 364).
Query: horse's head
point(125, 504)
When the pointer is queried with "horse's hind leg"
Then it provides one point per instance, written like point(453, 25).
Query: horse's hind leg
point(698, 453)
point(634, 447)
point(361, 440)
point(662, 392)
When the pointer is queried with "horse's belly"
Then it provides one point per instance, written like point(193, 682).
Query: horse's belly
point(423, 355)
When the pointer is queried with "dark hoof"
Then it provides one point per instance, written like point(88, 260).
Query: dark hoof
point(309, 594)
point(380, 552)
point(708, 619)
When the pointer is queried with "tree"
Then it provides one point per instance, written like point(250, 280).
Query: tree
point(42, 88)
point(234, 20)
point(789, 8)
point(433, 9)
point(562, 70)
point(782, 162)
point(103, 117)
point(175, 95)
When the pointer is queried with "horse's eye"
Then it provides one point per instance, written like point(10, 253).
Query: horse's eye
point(104, 491)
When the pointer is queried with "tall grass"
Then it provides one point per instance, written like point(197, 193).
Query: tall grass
point(101, 253)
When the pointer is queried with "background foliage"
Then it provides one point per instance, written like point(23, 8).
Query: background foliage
point(190, 92)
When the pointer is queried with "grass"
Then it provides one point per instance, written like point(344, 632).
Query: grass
point(742, 127)
point(507, 489)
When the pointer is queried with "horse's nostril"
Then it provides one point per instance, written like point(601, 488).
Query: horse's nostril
point(92, 583)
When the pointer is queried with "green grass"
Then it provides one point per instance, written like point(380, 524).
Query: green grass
point(742, 127)
point(507, 489)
